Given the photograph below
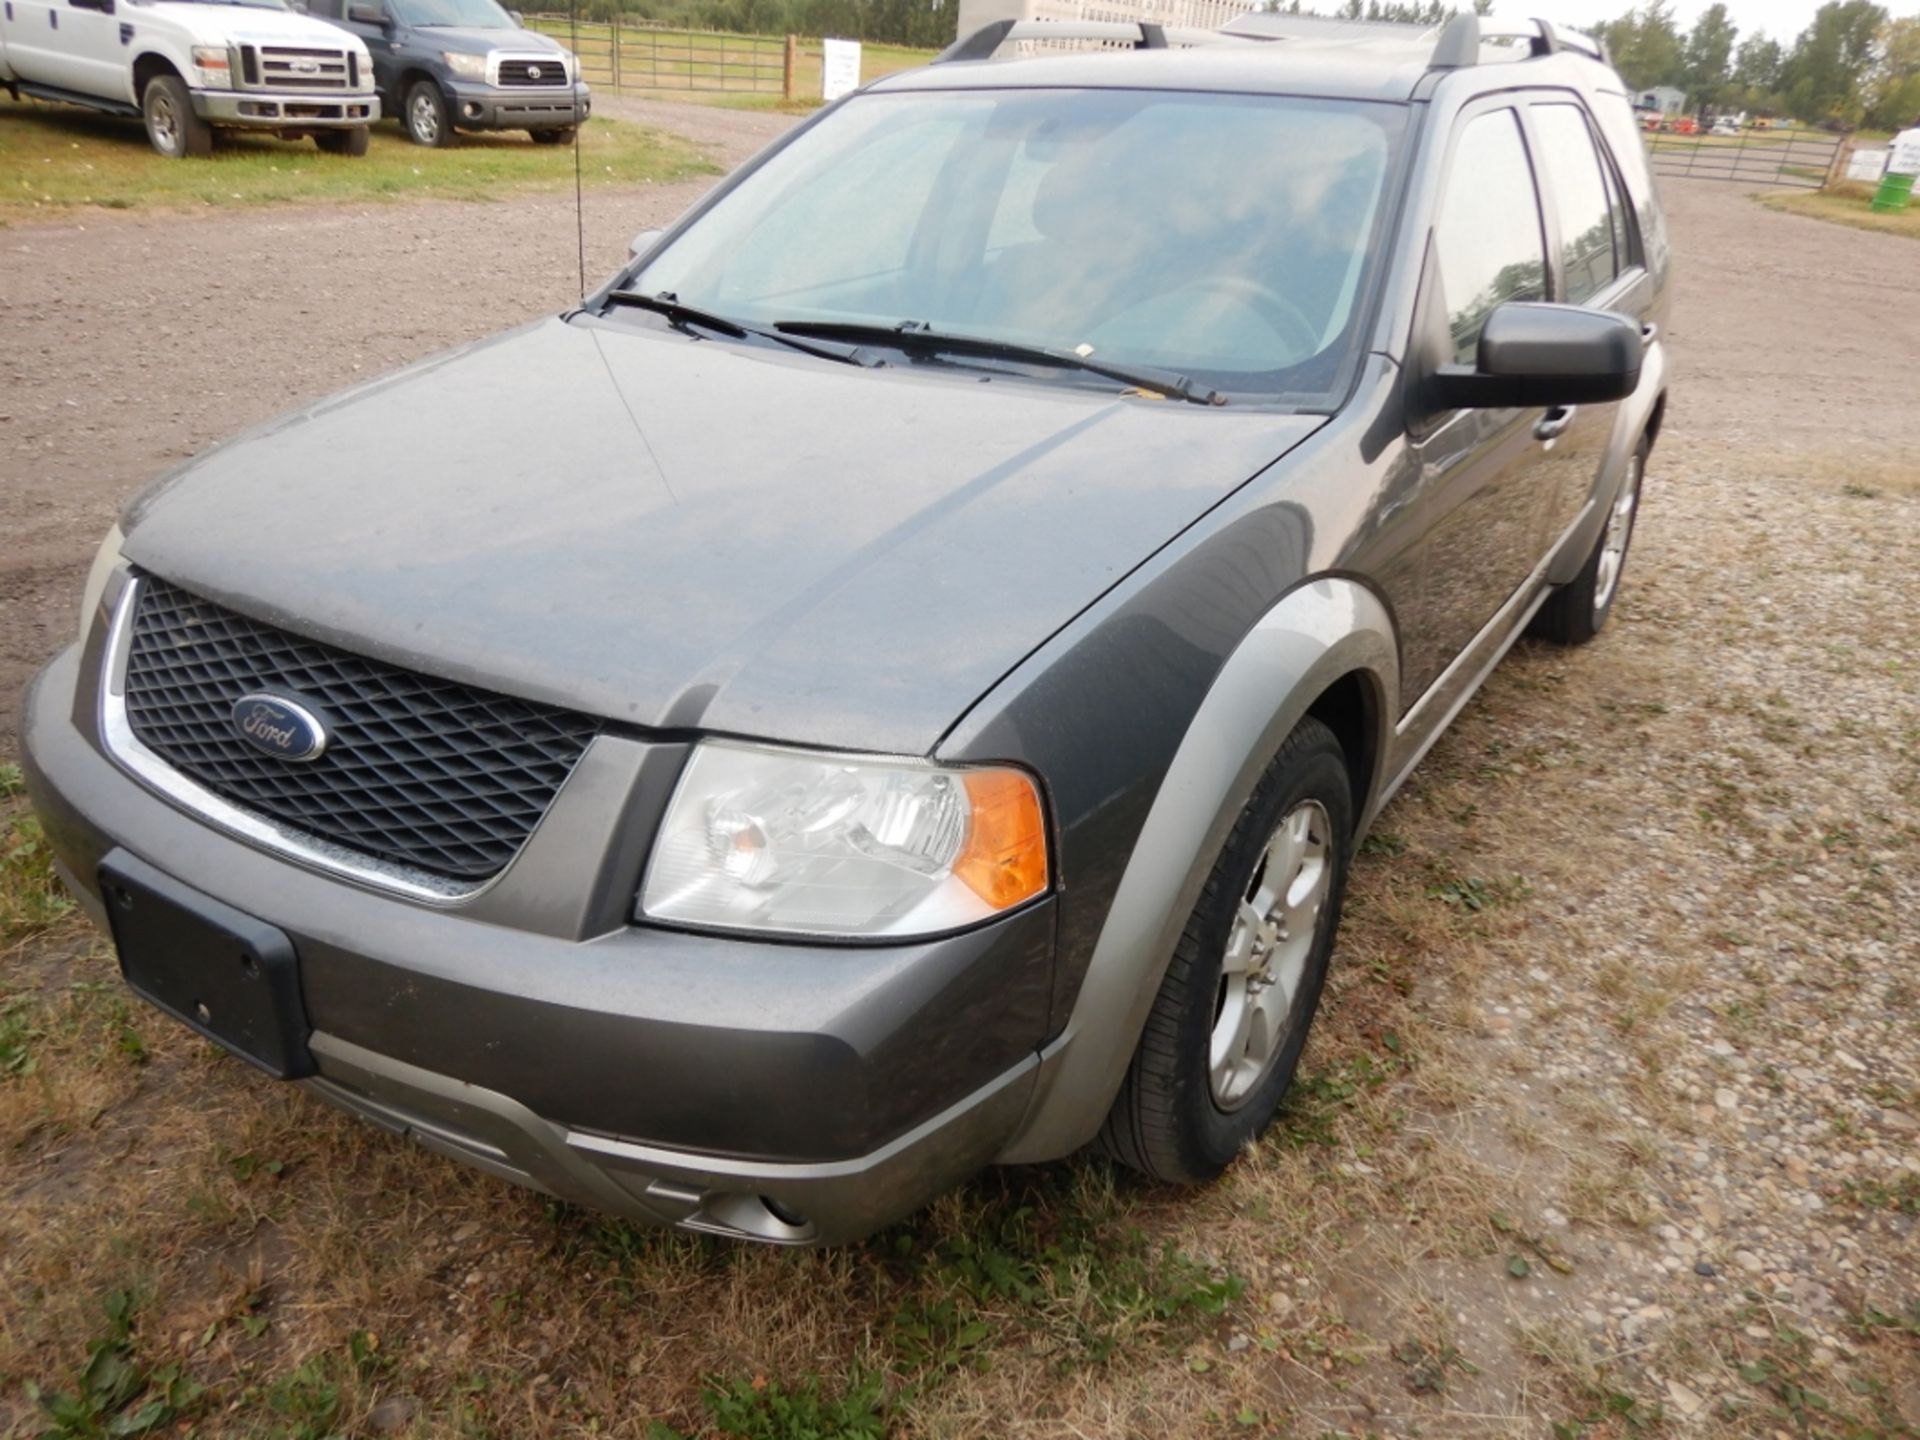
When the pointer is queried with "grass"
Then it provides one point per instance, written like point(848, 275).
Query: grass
point(57, 158)
point(1847, 204)
point(31, 898)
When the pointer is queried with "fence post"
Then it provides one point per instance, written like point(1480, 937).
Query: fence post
point(1837, 171)
point(616, 50)
point(786, 74)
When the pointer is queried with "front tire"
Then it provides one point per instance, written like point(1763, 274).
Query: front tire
point(552, 137)
point(424, 114)
point(1224, 1036)
point(172, 128)
point(1578, 610)
point(343, 142)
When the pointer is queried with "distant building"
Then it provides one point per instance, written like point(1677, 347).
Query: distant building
point(1194, 14)
point(1667, 99)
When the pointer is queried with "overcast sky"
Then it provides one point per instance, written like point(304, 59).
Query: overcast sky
point(1782, 19)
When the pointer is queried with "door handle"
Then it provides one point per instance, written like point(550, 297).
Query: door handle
point(1648, 334)
point(1553, 424)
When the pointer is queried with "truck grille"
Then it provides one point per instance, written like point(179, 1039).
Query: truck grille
point(419, 772)
point(533, 72)
point(297, 67)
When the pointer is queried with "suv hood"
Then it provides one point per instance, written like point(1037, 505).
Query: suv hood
point(253, 24)
point(675, 532)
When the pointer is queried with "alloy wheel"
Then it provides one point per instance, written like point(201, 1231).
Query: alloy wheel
point(1613, 549)
point(162, 123)
point(1266, 954)
point(423, 116)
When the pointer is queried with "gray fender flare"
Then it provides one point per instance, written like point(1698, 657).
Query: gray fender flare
point(1311, 638)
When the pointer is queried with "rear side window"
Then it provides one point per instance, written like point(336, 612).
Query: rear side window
point(1488, 237)
point(1572, 169)
point(1624, 139)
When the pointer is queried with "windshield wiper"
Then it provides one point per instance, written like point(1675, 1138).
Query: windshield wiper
point(912, 335)
point(681, 315)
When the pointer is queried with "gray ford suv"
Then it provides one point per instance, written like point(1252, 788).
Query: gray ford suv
point(893, 682)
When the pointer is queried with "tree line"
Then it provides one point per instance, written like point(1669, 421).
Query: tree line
point(1853, 65)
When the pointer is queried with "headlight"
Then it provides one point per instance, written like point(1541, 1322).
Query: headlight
point(104, 561)
point(843, 845)
point(465, 64)
point(216, 70)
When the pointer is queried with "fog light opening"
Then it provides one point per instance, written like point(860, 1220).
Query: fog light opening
point(756, 1217)
point(471, 110)
point(785, 1214)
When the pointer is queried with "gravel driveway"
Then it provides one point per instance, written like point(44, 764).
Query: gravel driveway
point(1613, 1121)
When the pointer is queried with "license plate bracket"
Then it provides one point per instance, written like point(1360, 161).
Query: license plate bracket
point(234, 979)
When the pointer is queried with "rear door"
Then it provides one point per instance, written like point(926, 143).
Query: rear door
point(37, 51)
point(1483, 505)
point(1595, 261)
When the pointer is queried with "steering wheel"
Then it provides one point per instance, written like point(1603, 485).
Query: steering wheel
point(1280, 313)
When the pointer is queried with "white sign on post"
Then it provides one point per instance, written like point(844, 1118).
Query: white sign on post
point(839, 68)
point(1867, 165)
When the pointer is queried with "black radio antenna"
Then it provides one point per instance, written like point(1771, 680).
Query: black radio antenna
point(579, 210)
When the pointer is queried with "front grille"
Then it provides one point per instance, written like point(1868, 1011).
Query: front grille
point(296, 67)
point(418, 771)
point(520, 72)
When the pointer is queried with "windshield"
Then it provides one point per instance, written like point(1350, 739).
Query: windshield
point(1226, 237)
point(468, 14)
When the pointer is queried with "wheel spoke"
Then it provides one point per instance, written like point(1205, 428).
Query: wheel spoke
point(1241, 942)
point(1229, 1035)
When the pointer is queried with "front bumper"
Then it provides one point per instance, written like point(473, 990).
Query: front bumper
point(270, 110)
point(506, 107)
point(676, 1079)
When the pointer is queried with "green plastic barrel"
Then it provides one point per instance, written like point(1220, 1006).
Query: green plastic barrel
point(1894, 192)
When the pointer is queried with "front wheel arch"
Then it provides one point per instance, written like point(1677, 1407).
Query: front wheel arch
point(1315, 637)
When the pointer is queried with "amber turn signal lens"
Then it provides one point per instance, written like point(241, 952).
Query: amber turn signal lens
point(1004, 861)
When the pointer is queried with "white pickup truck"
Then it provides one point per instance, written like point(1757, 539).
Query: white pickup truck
point(188, 66)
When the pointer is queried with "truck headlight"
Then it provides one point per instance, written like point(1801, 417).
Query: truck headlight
point(213, 66)
point(793, 843)
point(465, 64)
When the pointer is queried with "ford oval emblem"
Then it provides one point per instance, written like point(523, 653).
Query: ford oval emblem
point(306, 67)
point(276, 726)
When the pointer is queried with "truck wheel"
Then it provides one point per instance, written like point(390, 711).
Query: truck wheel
point(1575, 612)
point(552, 137)
point(172, 127)
point(342, 142)
point(1226, 1030)
point(424, 113)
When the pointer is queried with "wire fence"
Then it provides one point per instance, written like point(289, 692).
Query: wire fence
point(627, 55)
point(1755, 157)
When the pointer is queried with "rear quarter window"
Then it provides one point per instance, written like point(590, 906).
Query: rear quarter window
point(1622, 136)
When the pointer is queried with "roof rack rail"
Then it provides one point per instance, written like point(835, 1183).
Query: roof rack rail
point(982, 43)
point(1461, 38)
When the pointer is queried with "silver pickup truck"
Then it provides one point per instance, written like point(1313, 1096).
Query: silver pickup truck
point(187, 67)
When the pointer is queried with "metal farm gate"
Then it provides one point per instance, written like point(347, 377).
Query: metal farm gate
point(1754, 157)
point(631, 55)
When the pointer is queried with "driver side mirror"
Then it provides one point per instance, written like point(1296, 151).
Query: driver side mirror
point(517, 18)
point(1543, 355)
point(642, 243)
point(367, 15)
